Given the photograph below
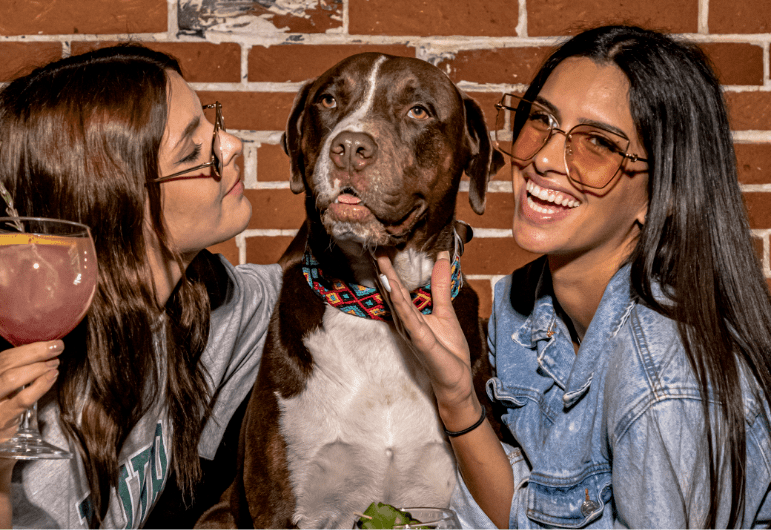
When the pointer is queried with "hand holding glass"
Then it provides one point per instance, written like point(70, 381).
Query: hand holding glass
point(48, 275)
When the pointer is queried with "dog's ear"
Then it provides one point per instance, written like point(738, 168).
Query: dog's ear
point(292, 138)
point(484, 160)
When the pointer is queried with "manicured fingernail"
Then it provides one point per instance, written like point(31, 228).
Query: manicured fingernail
point(53, 363)
point(55, 345)
point(384, 281)
point(52, 375)
point(443, 255)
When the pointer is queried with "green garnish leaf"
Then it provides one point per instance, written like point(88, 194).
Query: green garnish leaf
point(380, 515)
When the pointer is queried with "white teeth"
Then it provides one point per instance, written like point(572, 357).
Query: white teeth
point(549, 195)
point(539, 209)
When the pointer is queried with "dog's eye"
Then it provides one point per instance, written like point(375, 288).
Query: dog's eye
point(419, 113)
point(328, 101)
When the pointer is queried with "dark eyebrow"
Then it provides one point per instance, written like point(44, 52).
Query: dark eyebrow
point(556, 113)
point(551, 108)
point(192, 126)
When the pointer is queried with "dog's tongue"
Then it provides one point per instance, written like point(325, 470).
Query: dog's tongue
point(348, 199)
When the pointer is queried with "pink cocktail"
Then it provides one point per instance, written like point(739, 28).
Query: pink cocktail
point(44, 287)
point(48, 275)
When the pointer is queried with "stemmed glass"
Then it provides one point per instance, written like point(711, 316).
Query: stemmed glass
point(431, 518)
point(48, 273)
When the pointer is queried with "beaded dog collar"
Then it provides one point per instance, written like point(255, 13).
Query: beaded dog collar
point(367, 302)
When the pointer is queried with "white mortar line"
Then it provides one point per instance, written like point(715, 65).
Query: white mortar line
point(172, 20)
point(750, 188)
point(269, 232)
point(245, 49)
point(493, 233)
point(346, 29)
point(494, 186)
point(521, 28)
point(703, 24)
point(751, 137)
point(250, 161)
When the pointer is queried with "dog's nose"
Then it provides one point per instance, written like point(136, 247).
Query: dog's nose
point(353, 150)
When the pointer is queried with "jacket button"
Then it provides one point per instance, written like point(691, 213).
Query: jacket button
point(589, 507)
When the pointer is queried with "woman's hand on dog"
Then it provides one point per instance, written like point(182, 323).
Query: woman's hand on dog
point(439, 343)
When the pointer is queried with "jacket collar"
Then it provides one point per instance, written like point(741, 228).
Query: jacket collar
point(544, 332)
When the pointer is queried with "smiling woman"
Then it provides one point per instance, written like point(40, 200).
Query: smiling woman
point(632, 359)
point(117, 140)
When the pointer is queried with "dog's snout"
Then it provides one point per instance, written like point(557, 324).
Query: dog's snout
point(353, 150)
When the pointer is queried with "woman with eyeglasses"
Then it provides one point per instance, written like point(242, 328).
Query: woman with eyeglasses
point(633, 359)
point(117, 140)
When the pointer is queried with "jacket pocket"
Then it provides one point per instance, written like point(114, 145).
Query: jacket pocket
point(571, 502)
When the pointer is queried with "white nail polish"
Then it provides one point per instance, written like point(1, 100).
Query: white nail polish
point(384, 281)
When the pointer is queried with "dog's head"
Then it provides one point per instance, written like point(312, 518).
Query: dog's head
point(379, 145)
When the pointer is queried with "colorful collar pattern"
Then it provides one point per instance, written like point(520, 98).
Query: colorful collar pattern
point(366, 302)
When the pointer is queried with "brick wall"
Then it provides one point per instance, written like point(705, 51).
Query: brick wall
point(252, 56)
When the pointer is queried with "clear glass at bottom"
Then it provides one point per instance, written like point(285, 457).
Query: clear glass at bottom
point(433, 518)
point(28, 444)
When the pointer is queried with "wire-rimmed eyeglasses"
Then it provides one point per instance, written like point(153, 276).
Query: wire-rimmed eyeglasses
point(593, 155)
point(215, 162)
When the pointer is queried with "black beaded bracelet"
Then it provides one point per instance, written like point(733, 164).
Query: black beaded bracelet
point(453, 434)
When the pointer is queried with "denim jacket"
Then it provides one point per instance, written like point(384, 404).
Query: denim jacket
point(611, 436)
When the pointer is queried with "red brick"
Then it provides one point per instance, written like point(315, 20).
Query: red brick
point(201, 62)
point(52, 17)
point(739, 16)
point(499, 211)
point(265, 250)
point(327, 15)
point(494, 255)
point(277, 209)
point(569, 17)
point(20, 58)
point(479, 18)
point(487, 101)
point(296, 62)
point(500, 65)
point(272, 163)
point(754, 163)
point(749, 110)
point(736, 63)
point(758, 209)
point(228, 249)
point(484, 291)
point(256, 111)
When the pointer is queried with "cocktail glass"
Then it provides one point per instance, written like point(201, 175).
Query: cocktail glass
point(48, 273)
point(431, 518)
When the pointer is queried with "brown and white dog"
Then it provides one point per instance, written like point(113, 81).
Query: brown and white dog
point(342, 414)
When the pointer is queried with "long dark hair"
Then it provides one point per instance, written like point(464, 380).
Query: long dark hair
point(696, 243)
point(80, 139)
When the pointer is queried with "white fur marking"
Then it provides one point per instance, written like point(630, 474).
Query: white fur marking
point(352, 122)
point(413, 267)
point(365, 428)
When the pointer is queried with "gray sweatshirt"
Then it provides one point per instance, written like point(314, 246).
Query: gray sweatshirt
point(55, 494)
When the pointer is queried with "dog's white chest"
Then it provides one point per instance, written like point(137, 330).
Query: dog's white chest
point(365, 429)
